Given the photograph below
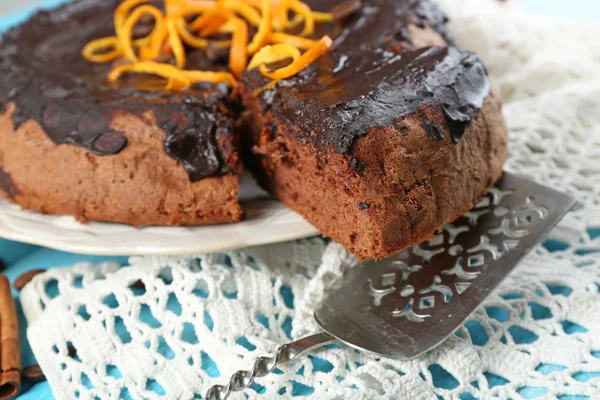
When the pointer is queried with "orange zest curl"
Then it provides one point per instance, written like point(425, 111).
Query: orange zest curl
point(210, 22)
point(300, 63)
point(272, 54)
point(183, 8)
point(188, 37)
point(283, 9)
point(297, 41)
point(177, 78)
point(303, 14)
point(176, 45)
point(206, 25)
point(265, 28)
point(103, 50)
point(197, 42)
point(238, 57)
point(254, 3)
point(243, 9)
point(211, 77)
point(304, 11)
point(123, 10)
point(321, 17)
point(125, 38)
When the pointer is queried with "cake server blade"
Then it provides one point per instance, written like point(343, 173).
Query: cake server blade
point(408, 304)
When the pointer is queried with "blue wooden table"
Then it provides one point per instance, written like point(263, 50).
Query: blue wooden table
point(20, 257)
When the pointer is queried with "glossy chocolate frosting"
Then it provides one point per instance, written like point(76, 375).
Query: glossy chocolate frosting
point(374, 77)
point(333, 109)
point(43, 73)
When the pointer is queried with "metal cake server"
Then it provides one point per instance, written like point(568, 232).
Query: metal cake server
point(408, 304)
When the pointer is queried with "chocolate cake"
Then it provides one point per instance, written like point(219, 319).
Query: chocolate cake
point(385, 139)
point(73, 143)
point(377, 143)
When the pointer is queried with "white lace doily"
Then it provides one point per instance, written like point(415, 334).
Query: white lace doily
point(97, 335)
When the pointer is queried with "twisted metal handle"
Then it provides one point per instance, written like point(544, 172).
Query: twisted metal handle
point(263, 366)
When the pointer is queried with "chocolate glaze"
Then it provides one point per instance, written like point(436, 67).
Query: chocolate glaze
point(333, 110)
point(46, 77)
point(7, 184)
point(364, 83)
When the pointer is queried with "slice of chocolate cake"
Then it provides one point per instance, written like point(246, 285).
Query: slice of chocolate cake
point(378, 142)
point(73, 143)
point(381, 142)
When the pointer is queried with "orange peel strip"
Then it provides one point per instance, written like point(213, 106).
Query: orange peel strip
point(215, 26)
point(227, 27)
point(299, 64)
point(282, 11)
point(153, 47)
point(176, 45)
point(264, 29)
point(303, 14)
point(273, 54)
point(130, 22)
point(200, 43)
point(170, 32)
point(211, 77)
point(123, 10)
point(177, 78)
point(188, 37)
point(304, 11)
point(210, 22)
point(238, 56)
point(183, 8)
point(158, 38)
point(254, 3)
point(95, 51)
point(156, 45)
point(244, 10)
point(177, 84)
point(321, 17)
point(297, 41)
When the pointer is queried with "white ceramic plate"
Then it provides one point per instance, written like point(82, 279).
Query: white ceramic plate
point(268, 221)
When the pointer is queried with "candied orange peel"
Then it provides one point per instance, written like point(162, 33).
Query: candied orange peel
point(299, 63)
point(281, 30)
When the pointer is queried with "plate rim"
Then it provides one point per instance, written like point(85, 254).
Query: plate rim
point(299, 231)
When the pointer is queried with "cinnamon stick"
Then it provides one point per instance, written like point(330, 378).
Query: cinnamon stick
point(10, 357)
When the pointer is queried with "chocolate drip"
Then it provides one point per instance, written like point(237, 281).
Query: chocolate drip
point(7, 184)
point(433, 131)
